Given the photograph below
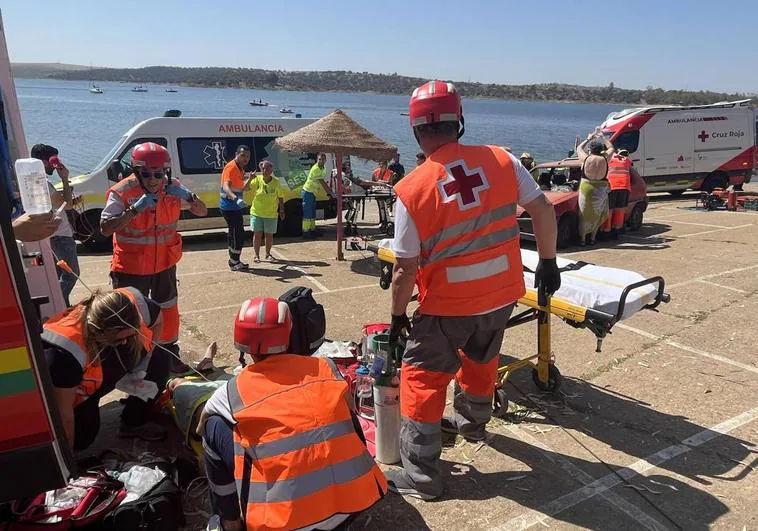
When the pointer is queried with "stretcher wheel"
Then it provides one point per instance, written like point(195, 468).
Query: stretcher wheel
point(553, 382)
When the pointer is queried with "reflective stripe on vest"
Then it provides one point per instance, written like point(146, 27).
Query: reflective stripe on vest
point(463, 203)
point(296, 466)
point(464, 227)
point(288, 490)
point(472, 246)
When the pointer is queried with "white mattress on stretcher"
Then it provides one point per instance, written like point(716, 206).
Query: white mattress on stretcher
point(590, 286)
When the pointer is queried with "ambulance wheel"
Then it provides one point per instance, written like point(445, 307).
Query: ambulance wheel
point(567, 231)
point(715, 180)
point(553, 382)
point(635, 218)
point(501, 400)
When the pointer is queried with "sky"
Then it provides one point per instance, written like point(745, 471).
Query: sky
point(672, 44)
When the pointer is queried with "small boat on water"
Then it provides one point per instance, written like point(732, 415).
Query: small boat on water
point(94, 89)
point(139, 88)
point(286, 110)
point(171, 90)
point(259, 103)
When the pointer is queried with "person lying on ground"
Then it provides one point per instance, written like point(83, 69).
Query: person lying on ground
point(285, 425)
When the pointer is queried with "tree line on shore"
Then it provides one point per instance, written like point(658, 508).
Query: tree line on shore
point(347, 81)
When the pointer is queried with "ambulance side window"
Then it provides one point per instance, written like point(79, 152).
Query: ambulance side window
point(122, 165)
point(209, 155)
point(629, 140)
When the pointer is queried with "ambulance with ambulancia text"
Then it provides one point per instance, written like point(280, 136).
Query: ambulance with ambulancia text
point(200, 148)
point(677, 148)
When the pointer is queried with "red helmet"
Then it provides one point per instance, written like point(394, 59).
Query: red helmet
point(435, 101)
point(263, 326)
point(151, 156)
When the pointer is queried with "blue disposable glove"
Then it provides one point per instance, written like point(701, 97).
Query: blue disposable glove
point(241, 203)
point(179, 191)
point(146, 201)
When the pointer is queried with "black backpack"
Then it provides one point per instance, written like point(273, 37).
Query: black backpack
point(308, 320)
point(159, 509)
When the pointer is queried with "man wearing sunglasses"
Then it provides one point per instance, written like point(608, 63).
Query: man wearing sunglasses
point(141, 213)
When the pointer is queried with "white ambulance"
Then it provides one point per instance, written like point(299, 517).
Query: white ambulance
point(200, 148)
point(678, 148)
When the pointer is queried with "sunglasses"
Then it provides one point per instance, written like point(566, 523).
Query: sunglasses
point(158, 174)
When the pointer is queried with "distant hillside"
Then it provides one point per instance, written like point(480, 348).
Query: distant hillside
point(43, 70)
point(343, 81)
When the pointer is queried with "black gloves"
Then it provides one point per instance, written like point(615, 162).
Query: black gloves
point(400, 323)
point(547, 279)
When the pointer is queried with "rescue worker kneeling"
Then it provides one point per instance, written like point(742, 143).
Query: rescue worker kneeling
point(89, 348)
point(283, 445)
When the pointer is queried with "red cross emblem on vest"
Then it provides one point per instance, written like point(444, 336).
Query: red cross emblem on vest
point(463, 185)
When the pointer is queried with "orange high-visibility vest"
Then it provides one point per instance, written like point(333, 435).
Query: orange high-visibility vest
point(298, 459)
point(463, 202)
point(66, 332)
point(150, 243)
point(379, 176)
point(620, 173)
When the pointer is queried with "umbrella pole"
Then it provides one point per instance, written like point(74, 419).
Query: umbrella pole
point(338, 157)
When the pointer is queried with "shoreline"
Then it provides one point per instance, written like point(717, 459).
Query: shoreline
point(288, 89)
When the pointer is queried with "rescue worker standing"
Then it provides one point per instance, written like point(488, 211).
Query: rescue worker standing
point(620, 181)
point(282, 442)
point(316, 181)
point(456, 233)
point(141, 213)
point(233, 206)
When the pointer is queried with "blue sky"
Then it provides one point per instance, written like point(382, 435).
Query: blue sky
point(668, 43)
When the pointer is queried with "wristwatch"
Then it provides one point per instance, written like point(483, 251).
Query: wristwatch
point(192, 198)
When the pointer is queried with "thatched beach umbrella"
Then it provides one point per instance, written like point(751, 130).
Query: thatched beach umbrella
point(340, 135)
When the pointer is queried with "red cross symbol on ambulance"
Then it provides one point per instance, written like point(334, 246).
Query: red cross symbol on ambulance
point(463, 185)
point(703, 136)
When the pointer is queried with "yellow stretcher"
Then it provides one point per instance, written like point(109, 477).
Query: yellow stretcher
point(545, 374)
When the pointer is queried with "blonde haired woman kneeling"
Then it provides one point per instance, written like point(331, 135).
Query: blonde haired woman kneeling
point(90, 347)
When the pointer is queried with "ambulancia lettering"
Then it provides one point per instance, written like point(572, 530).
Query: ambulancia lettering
point(247, 128)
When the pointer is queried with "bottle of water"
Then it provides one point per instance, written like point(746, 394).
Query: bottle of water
point(32, 183)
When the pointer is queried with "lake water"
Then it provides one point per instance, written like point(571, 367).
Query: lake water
point(85, 126)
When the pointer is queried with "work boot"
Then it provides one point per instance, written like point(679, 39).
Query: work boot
point(149, 431)
point(398, 482)
point(238, 265)
point(448, 425)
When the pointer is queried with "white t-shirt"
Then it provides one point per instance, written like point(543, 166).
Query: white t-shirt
point(64, 229)
point(114, 207)
point(407, 243)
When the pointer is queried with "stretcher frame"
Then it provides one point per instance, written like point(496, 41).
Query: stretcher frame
point(383, 199)
point(545, 374)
